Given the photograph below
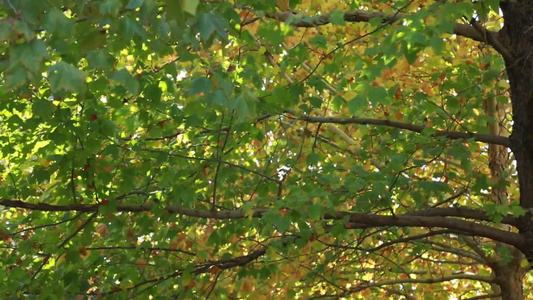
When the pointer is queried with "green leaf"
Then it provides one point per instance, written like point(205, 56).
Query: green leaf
point(435, 186)
point(99, 59)
point(315, 101)
point(315, 211)
point(357, 103)
point(336, 17)
point(127, 80)
point(110, 7)
point(313, 159)
point(219, 98)
point(282, 223)
point(419, 38)
point(200, 85)
point(133, 4)
point(66, 77)
point(517, 211)
point(481, 183)
point(206, 26)
point(190, 6)
point(378, 94)
point(272, 34)
point(23, 29)
point(129, 27)
point(15, 77)
point(57, 23)
point(43, 108)
point(40, 175)
point(6, 31)
point(210, 23)
point(94, 39)
point(410, 55)
point(319, 41)
point(240, 105)
point(31, 55)
point(494, 212)
point(153, 92)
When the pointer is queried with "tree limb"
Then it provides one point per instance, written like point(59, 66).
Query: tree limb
point(492, 39)
point(365, 16)
point(442, 222)
point(460, 276)
point(480, 137)
point(461, 212)
point(204, 268)
point(357, 219)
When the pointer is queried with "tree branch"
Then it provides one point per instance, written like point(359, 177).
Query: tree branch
point(503, 236)
point(461, 212)
point(390, 243)
point(141, 249)
point(240, 214)
point(485, 296)
point(365, 16)
point(358, 219)
point(480, 137)
point(204, 268)
point(379, 284)
point(461, 276)
point(492, 39)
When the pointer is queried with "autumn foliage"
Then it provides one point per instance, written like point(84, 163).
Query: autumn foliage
point(302, 149)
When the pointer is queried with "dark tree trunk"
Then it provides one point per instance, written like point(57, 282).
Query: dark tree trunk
point(517, 38)
point(517, 35)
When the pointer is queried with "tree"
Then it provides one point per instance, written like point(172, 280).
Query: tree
point(215, 149)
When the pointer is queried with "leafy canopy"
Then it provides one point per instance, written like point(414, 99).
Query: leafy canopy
point(201, 148)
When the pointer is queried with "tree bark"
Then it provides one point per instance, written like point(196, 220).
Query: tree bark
point(509, 277)
point(517, 37)
point(507, 274)
point(517, 34)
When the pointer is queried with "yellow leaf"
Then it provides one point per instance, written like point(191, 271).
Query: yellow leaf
point(350, 95)
point(282, 5)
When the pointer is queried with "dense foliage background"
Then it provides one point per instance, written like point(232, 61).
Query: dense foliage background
point(235, 149)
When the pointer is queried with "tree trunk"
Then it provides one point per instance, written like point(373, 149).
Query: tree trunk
point(508, 280)
point(509, 277)
point(517, 37)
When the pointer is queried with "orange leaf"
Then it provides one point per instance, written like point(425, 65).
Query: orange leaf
point(101, 228)
point(142, 263)
point(399, 116)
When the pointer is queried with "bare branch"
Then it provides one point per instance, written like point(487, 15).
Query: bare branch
point(365, 16)
point(480, 137)
point(461, 276)
point(443, 247)
point(140, 248)
point(442, 222)
point(204, 268)
point(391, 242)
point(380, 284)
point(461, 212)
point(486, 296)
